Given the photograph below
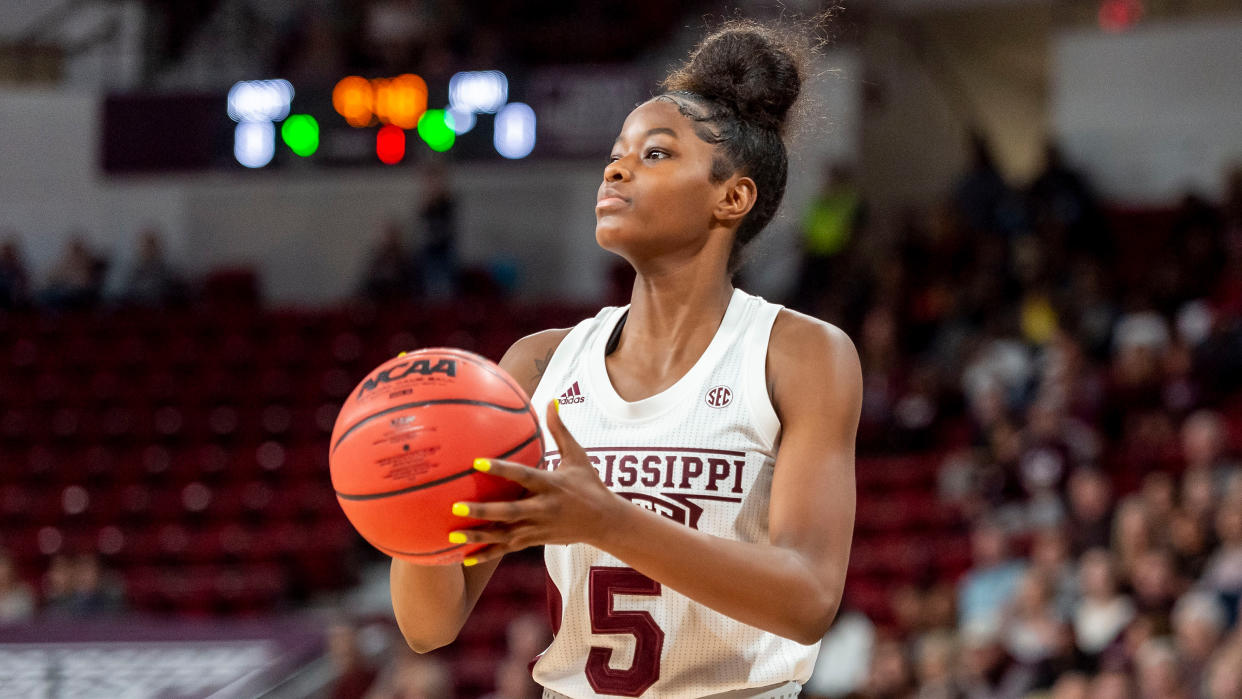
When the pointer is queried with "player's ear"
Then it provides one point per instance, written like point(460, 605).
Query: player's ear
point(737, 198)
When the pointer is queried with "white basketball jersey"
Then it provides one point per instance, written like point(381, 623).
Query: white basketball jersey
point(700, 453)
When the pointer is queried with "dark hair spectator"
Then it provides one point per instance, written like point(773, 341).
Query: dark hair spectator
point(14, 279)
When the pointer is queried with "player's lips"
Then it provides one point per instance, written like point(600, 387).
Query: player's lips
point(610, 198)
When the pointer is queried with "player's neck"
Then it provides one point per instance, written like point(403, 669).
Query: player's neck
point(675, 310)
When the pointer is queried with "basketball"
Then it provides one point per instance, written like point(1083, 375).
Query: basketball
point(404, 444)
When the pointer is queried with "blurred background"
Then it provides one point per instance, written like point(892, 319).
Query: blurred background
point(217, 215)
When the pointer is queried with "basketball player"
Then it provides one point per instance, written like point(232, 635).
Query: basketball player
point(698, 504)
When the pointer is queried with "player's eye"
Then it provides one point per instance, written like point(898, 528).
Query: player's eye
point(654, 152)
point(613, 158)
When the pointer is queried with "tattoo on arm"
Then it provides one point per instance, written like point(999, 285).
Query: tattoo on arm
point(541, 365)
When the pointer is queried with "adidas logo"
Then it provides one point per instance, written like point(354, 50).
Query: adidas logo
point(573, 395)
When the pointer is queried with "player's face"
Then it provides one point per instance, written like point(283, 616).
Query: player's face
point(657, 195)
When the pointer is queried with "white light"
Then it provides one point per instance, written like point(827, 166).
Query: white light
point(260, 100)
point(479, 90)
point(254, 143)
point(461, 120)
point(515, 131)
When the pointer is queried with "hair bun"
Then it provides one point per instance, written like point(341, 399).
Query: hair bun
point(748, 67)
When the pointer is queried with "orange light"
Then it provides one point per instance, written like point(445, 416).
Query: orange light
point(353, 99)
point(406, 100)
point(399, 101)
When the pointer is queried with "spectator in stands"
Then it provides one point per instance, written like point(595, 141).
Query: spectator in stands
point(437, 218)
point(1033, 629)
point(844, 656)
point(17, 602)
point(890, 675)
point(1112, 684)
point(1102, 612)
point(354, 673)
point(1205, 442)
point(936, 657)
point(987, 670)
point(1132, 534)
point(1223, 572)
point(1159, 671)
point(1156, 586)
point(152, 282)
point(983, 200)
point(78, 586)
point(1072, 685)
point(412, 676)
point(1066, 214)
point(1189, 543)
point(1050, 558)
point(1199, 621)
point(830, 228)
point(1224, 673)
point(14, 281)
point(390, 274)
point(77, 278)
point(992, 580)
point(1090, 510)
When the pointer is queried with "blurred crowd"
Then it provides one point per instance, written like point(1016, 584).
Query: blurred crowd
point(1082, 372)
point(82, 278)
point(73, 587)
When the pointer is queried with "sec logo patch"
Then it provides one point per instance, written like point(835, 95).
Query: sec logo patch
point(719, 397)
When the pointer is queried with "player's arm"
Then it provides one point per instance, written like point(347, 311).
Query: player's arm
point(432, 603)
point(793, 586)
point(790, 586)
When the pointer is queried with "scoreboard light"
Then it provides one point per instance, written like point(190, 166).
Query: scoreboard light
point(254, 143)
point(400, 101)
point(301, 133)
point(352, 98)
point(514, 136)
point(390, 144)
point(260, 100)
point(436, 129)
point(479, 90)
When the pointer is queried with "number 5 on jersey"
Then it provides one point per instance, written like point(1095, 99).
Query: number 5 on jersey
point(605, 583)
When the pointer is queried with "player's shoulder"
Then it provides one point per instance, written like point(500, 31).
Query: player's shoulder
point(799, 335)
point(527, 358)
point(804, 349)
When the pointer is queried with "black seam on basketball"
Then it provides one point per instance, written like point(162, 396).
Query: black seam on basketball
point(439, 481)
point(403, 491)
point(389, 551)
point(419, 404)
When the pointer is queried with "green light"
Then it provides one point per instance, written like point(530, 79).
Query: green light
point(301, 133)
point(435, 128)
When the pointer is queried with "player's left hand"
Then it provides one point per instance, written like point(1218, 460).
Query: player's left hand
point(565, 506)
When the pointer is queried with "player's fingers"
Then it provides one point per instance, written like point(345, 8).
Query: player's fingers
point(569, 447)
point(490, 553)
point(480, 536)
point(523, 475)
point(508, 511)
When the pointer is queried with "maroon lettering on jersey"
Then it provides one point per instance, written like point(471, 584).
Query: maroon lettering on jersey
point(691, 468)
point(651, 471)
point(604, 584)
point(627, 472)
point(718, 469)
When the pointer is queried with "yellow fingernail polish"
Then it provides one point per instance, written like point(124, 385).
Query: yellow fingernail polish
point(457, 538)
point(400, 354)
point(460, 509)
point(556, 406)
point(483, 465)
point(469, 562)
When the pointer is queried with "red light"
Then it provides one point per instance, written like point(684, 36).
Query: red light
point(390, 144)
point(1119, 15)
